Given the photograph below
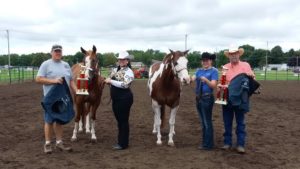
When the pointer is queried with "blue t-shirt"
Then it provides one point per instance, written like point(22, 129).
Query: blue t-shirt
point(51, 70)
point(210, 74)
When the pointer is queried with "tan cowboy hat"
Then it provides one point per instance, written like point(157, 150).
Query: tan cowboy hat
point(234, 49)
point(124, 55)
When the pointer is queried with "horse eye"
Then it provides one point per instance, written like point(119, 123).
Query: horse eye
point(176, 63)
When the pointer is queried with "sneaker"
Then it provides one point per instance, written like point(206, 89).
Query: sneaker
point(47, 148)
point(226, 147)
point(117, 147)
point(240, 150)
point(60, 146)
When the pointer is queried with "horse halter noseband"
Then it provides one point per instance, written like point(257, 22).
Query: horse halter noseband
point(178, 71)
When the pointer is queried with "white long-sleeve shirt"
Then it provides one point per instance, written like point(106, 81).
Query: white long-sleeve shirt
point(123, 77)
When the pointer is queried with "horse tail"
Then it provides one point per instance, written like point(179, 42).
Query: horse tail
point(162, 116)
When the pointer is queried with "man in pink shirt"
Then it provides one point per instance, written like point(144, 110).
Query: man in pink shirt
point(235, 67)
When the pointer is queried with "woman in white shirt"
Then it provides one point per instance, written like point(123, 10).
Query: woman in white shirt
point(122, 97)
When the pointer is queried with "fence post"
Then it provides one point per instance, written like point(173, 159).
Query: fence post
point(287, 74)
point(19, 74)
point(9, 72)
point(32, 74)
point(276, 73)
point(22, 68)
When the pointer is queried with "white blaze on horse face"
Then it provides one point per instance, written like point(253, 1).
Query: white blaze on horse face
point(88, 66)
point(181, 69)
point(154, 76)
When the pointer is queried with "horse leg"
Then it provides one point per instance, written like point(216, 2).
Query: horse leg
point(80, 124)
point(93, 122)
point(87, 120)
point(157, 120)
point(77, 122)
point(172, 125)
point(81, 118)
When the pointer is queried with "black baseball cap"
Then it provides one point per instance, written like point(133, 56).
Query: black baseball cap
point(56, 47)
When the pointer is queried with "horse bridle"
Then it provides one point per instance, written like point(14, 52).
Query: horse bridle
point(93, 69)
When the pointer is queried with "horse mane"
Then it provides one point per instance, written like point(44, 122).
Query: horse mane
point(168, 74)
point(167, 59)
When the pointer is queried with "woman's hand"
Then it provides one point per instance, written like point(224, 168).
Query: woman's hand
point(222, 86)
point(107, 80)
point(193, 78)
point(204, 79)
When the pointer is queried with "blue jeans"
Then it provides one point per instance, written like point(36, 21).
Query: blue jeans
point(204, 107)
point(229, 112)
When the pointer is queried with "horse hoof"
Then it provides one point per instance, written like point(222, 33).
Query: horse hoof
point(171, 144)
point(80, 131)
point(73, 139)
point(87, 132)
point(159, 143)
point(154, 132)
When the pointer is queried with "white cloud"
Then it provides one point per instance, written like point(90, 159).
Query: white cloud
point(160, 24)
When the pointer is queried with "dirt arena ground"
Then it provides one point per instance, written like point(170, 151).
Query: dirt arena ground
point(273, 138)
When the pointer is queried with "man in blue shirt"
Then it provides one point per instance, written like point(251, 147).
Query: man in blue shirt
point(206, 81)
point(50, 73)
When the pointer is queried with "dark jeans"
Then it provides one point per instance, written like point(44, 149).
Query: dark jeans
point(121, 109)
point(204, 107)
point(229, 112)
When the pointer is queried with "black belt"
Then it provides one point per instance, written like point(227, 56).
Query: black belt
point(204, 95)
point(207, 94)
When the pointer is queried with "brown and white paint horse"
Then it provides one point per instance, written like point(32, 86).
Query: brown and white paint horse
point(165, 82)
point(86, 106)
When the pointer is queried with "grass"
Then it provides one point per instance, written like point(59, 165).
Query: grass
point(271, 75)
point(22, 74)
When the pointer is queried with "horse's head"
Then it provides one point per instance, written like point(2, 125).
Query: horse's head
point(179, 63)
point(90, 62)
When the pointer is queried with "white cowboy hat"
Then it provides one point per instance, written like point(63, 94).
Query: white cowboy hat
point(124, 55)
point(234, 49)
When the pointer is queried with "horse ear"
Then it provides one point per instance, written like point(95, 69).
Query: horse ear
point(172, 53)
point(94, 49)
point(186, 52)
point(83, 51)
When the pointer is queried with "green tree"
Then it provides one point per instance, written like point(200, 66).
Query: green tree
point(194, 59)
point(276, 56)
point(4, 60)
point(221, 59)
point(39, 58)
point(257, 59)
point(109, 59)
point(78, 57)
point(25, 60)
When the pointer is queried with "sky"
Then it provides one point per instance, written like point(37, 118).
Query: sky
point(117, 25)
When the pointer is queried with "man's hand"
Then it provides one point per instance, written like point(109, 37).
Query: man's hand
point(251, 75)
point(57, 81)
point(46, 81)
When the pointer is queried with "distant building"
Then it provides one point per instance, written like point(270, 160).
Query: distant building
point(136, 65)
point(280, 67)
